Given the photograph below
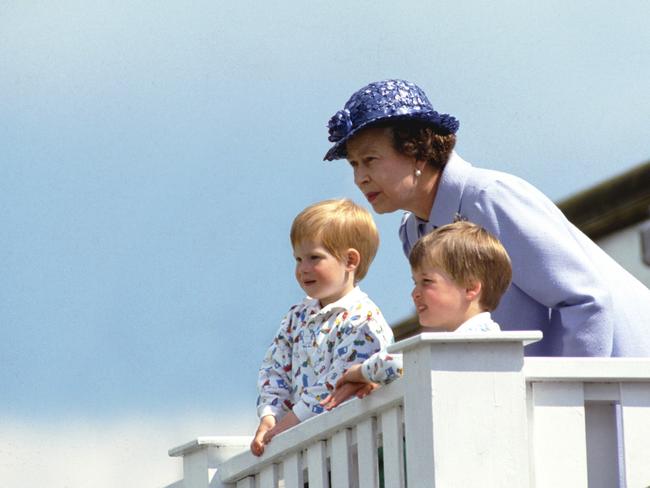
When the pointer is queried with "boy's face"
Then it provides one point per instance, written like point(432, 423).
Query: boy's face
point(320, 274)
point(441, 304)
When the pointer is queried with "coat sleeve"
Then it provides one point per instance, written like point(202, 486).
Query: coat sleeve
point(354, 341)
point(549, 263)
point(274, 381)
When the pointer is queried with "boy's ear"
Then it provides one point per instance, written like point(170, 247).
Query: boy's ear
point(352, 259)
point(473, 290)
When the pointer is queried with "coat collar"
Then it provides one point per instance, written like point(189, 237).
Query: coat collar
point(446, 205)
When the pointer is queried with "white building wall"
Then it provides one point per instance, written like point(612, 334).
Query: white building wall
point(625, 247)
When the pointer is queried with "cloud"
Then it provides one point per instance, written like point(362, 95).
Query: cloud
point(125, 452)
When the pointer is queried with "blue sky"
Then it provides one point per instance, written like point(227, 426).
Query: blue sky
point(154, 155)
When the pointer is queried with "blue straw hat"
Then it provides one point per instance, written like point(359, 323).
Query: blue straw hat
point(388, 99)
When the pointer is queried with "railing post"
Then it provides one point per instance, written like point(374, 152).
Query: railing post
point(465, 409)
point(202, 457)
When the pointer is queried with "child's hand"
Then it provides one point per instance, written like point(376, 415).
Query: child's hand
point(257, 445)
point(288, 421)
point(367, 389)
point(352, 382)
point(352, 375)
point(266, 424)
point(341, 394)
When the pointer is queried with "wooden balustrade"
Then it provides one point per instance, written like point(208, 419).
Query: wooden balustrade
point(470, 411)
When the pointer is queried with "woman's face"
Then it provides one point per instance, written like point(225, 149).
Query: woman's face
point(386, 177)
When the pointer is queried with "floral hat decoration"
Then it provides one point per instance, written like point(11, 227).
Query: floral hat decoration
point(388, 99)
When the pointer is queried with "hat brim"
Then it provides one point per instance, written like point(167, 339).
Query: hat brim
point(339, 151)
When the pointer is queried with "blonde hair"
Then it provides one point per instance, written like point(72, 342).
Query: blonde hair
point(467, 253)
point(339, 225)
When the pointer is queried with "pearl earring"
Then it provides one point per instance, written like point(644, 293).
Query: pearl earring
point(418, 172)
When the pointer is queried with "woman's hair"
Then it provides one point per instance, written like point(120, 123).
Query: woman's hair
point(419, 139)
point(339, 225)
point(467, 253)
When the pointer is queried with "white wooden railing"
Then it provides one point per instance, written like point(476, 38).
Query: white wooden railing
point(470, 411)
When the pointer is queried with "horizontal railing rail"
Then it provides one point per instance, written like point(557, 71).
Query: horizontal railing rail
point(314, 430)
point(586, 369)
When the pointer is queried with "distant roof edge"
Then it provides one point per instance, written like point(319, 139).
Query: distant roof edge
point(619, 202)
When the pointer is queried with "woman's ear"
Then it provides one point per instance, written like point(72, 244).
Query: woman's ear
point(352, 259)
point(420, 164)
point(473, 290)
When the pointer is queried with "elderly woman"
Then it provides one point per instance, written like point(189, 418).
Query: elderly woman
point(401, 151)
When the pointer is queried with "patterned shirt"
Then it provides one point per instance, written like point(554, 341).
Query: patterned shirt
point(313, 347)
point(383, 367)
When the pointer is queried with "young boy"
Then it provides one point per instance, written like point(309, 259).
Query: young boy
point(460, 272)
point(336, 326)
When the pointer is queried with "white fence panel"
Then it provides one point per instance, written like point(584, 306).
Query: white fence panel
point(340, 459)
point(248, 482)
point(393, 447)
point(466, 401)
point(292, 467)
point(635, 405)
point(367, 453)
point(558, 431)
point(602, 443)
point(269, 476)
point(317, 465)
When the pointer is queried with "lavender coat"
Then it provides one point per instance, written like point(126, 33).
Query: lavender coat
point(563, 284)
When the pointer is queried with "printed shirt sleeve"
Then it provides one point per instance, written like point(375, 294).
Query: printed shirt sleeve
point(274, 379)
point(355, 340)
point(382, 367)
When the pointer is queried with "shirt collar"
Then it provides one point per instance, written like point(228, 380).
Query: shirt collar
point(473, 324)
point(346, 302)
point(450, 191)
